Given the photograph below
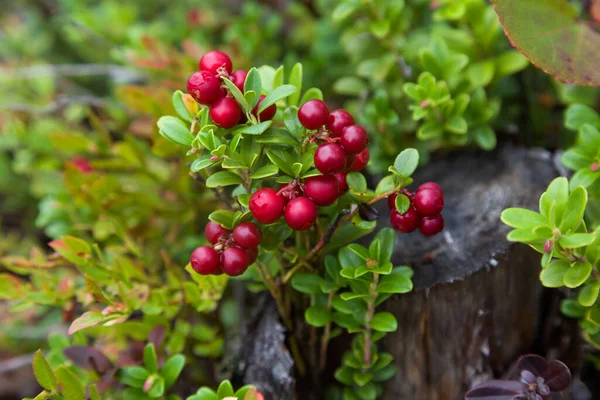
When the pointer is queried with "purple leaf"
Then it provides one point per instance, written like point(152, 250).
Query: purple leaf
point(157, 335)
point(496, 390)
point(88, 357)
point(533, 363)
point(557, 376)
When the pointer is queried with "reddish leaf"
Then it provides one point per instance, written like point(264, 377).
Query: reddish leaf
point(88, 357)
point(555, 373)
point(157, 335)
point(550, 34)
point(496, 390)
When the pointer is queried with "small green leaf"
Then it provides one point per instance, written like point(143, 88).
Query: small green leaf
point(257, 129)
point(171, 369)
point(387, 238)
point(385, 185)
point(179, 106)
point(225, 389)
point(589, 294)
point(522, 218)
point(223, 178)
point(71, 386)
point(311, 94)
point(296, 80)
point(349, 86)
point(253, 83)
point(402, 203)
point(86, 320)
point(557, 192)
point(158, 387)
point(552, 276)
point(318, 316)
point(577, 274)
point(277, 94)
point(394, 283)
point(406, 163)
point(361, 378)
point(344, 10)
point(356, 181)
point(263, 172)
point(237, 94)
point(484, 136)
point(282, 160)
point(150, 359)
point(384, 322)
point(222, 217)
point(344, 375)
point(290, 119)
point(572, 309)
point(584, 177)
point(575, 208)
point(43, 373)
point(305, 282)
point(576, 240)
point(359, 250)
point(175, 130)
point(202, 162)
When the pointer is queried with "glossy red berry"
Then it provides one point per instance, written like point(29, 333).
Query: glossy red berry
point(300, 213)
point(234, 261)
point(205, 260)
point(268, 113)
point(226, 112)
point(313, 114)
point(213, 60)
point(214, 231)
point(330, 158)
point(392, 201)
point(342, 183)
point(354, 139)
point(431, 185)
point(247, 235)
point(239, 78)
point(429, 201)
point(204, 87)
point(361, 160)
point(407, 222)
point(431, 225)
point(338, 120)
point(322, 190)
point(266, 205)
point(252, 255)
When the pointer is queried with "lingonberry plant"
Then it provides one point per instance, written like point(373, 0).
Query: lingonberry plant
point(288, 173)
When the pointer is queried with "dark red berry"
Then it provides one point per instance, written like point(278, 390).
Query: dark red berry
point(323, 190)
point(239, 78)
point(330, 158)
point(300, 213)
point(226, 112)
point(338, 120)
point(234, 261)
point(431, 225)
point(205, 260)
point(429, 201)
point(266, 205)
point(407, 222)
point(361, 160)
point(214, 231)
point(268, 113)
point(313, 114)
point(392, 201)
point(354, 139)
point(349, 162)
point(431, 185)
point(213, 60)
point(342, 183)
point(204, 87)
point(247, 235)
point(252, 255)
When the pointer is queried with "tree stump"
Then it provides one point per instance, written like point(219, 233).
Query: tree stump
point(477, 300)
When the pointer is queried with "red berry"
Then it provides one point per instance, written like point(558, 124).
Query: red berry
point(247, 235)
point(338, 120)
point(82, 165)
point(205, 260)
point(429, 202)
point(361, 160)
point(342, 184)
point(431, 185)
point(300, 213)
point(252, 255)
point(330, 159)
point(239, 78)
point(214, 231)
point(407, 222)
point(392, 201)
point(431, 225)
point(268, 113)
point(354, 139)
point(204, 87)
point(226, 112)
point(322, 190)
point(213, 60)
point(266, 205)
point(313, 114)
point(235, 261)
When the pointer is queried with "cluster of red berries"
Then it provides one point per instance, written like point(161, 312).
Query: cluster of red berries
point(206, 88)
point(231, 252)
point(344, 147)
point(426, 204)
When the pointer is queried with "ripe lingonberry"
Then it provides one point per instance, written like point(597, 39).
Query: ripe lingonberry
point(247, 235)
point(354, 139)
point(214, 231)
point(330, 158)
point(361, 160)
point(266, 205)
point(226, 112)
point(431, 185)
point(205, 260)
point(431, 225)
point(204, 87)
point(429, 201)
point(252, 255)
point(213, 60)
point(234, 261)
point(392, 201)
point(338, 120)
point(300, 213)
point(323, 190)
point(407, 222)
point(342, 183)
point(267, 113)
point(313, 114)
point(239, 78)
